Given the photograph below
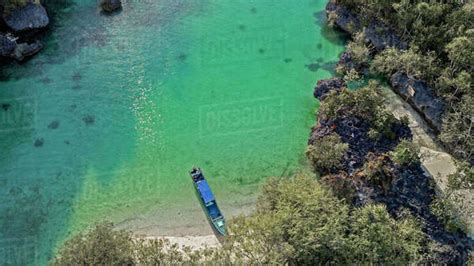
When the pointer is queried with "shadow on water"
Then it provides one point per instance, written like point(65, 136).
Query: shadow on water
point(40, 186)
point(334, 36)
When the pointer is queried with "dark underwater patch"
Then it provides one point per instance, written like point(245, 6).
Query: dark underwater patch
point(76, 76)
point(182, 57)
point(6, 106)
point(46, 80)
point(313, 67)
point(54, 124)
point(89, 119)
point(39, 142)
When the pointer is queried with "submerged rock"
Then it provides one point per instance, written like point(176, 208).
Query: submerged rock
point(39, 142)
point(32, 16)
point(53, 125)
point(421, 97)
point(110, 5)
point(89, 119)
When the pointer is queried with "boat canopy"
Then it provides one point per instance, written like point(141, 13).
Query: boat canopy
point(205, 191)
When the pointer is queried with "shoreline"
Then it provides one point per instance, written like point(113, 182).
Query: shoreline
point(193, 242)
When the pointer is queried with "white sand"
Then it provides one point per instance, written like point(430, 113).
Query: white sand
point(194, 242)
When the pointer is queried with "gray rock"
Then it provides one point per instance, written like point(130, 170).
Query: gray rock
point(380, 37)
point(421, 97)
point(32, 16)
point(18, 51)
point(325, 86)
point(24, 50)
point(110, 5)
point(344, 19)
point(7, 46)
point(377, 34)
point(348, 63)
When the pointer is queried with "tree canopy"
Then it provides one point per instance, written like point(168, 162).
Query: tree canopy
point(297, 221)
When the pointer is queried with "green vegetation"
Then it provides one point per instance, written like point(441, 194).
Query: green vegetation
point(450, 210)
point(377, 171)
point(366, 103)
point(441, 39)
point(326, 153)
point(463, 178)
point(406, 153)
point(9, 5)
point(359, 53)
point(304, 223)
point(100, 246)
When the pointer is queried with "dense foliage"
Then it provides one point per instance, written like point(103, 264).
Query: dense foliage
point(441, 39)
point(297, 221)
point(326, 153)
point(406, 153)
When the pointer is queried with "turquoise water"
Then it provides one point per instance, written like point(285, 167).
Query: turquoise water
point(107, 120)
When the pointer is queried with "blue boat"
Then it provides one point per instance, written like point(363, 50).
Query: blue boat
point(208, 202)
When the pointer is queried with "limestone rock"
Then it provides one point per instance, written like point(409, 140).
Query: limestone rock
point(32, 16)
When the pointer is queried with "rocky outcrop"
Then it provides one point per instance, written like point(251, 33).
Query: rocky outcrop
point(379, 36)
point(353, 130)
point(348, 63)
point(421, 97)
point(25, 50)
point(325, 86)
point(376, 34)
point(400, 188)
point(343, 18)
point(30, 17)
point(9, 48)
point(110, 5)
point(21, 25)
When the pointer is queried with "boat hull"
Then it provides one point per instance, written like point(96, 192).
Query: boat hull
point(208, 202)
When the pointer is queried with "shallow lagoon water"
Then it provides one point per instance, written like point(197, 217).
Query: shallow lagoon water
point(106, 122)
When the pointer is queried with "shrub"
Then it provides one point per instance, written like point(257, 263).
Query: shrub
point(358, 50)
point(463, 178)
point(449, 210)
point(306, 225)
point(457, 129)
point(406, 153)
point(100, 246)
point(342, 185)
point(12, 4)
point(365, 103)
point(377, 171)
point(382, 126)
point(412, 62)
point(376, 238)
point(326, 153)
